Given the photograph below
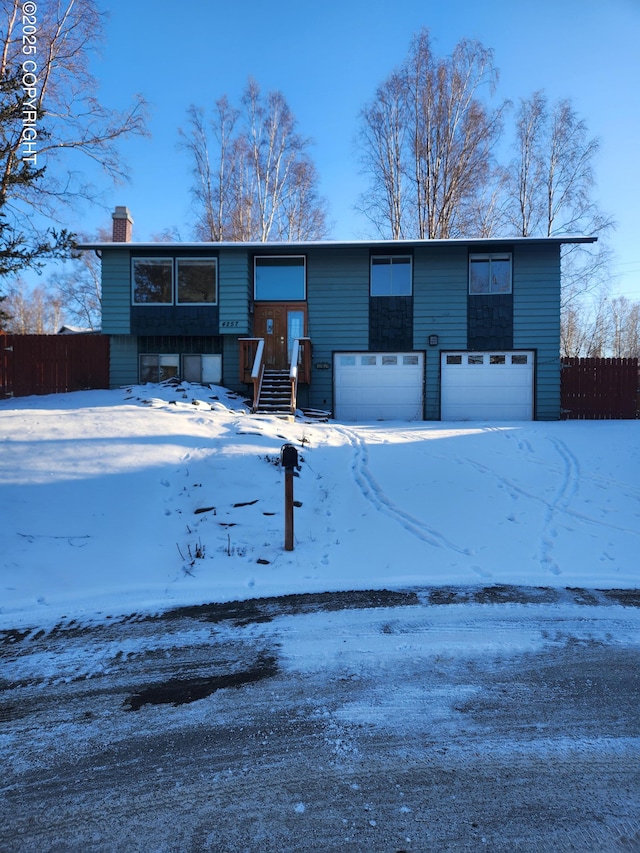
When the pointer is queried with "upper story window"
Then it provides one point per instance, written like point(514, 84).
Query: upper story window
point(197, 281)
point(280, 278)
point(490, 274)
point(152, 281)
point(174, 281)
point(390, 275)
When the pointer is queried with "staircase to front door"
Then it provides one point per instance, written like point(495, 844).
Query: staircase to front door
point(275, 394)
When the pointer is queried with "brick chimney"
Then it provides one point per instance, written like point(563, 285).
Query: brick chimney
point(122, 225)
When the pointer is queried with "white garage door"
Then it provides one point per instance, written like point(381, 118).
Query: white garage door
point(487, 386)
point(379, 386)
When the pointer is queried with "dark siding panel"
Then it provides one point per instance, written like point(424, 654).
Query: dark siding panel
point(231, 366)
point(178, 344)
point(390, 323)
point(174, 320)
point(490, 323)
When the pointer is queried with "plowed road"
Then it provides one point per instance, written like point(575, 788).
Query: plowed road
point(495, 720)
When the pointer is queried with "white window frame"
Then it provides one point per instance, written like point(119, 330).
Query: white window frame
point(275, 258)
point(174, 262)
point(165, 261)
point(391, 259)
point(210, 367)
point(489, 257)
point(176, 278)
point(171, 359)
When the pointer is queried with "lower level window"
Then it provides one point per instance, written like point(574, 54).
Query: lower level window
point(206, 369)
point(192, 367)
point(158, 368)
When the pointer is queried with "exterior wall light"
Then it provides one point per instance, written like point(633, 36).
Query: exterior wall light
point(433, 340)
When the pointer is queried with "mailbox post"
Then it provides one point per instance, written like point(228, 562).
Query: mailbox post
point(289, 461)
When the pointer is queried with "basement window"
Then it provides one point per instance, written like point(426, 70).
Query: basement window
point(158, 368)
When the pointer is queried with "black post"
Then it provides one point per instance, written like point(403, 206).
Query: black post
point(288, 509)
point(289, 461)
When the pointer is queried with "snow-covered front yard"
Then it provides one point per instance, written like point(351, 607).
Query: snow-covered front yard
point(140, 499)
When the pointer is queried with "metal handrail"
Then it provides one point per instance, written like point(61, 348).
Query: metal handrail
point(257, 373)
point(293, 374)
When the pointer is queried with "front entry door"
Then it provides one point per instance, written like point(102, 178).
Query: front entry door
point(279, 324)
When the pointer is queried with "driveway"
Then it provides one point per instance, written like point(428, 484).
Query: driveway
point(494, 719)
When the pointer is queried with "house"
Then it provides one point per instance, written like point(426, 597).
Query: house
point(460, 329)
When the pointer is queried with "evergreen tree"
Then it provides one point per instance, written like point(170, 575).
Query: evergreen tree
point(21, 245)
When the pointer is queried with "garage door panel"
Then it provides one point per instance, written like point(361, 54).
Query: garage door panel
point(379, 386)
point(487, 386)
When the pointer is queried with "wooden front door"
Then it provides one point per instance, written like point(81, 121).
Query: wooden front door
point(279, 324)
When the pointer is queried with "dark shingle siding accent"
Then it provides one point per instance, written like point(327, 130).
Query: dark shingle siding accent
point(174, 320)
point(390, 323)
point(490, 322)
point(180, 345)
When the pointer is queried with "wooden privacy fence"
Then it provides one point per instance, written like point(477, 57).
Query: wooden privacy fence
point(52, 364)
point(599, 388)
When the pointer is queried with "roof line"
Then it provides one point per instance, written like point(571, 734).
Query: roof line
point(456, 241)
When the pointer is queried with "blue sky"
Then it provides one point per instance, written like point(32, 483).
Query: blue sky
point(327, 59)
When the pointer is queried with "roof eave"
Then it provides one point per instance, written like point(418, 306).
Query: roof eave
point(457, 241)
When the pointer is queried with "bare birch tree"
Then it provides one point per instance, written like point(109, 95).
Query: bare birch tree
point(35, 311)
point(253, 177)
point(600, 325)
point(383, 139)
point(70, 118)
point(427, 142)
point(51, 116)
point(552, 176)
point(551, 190)
point(77, 286)
point(525, 186)
point(623, 339)
point(213, 186)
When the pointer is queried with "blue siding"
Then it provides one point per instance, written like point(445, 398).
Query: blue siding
point(123, 362)
point(536, 320)
point(235, 289)
point(440, 284)
point(116, 292)
point(338, 311)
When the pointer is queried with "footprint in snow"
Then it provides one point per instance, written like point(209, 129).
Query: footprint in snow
point(483, 573)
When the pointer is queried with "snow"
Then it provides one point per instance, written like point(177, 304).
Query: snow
point(145, 498)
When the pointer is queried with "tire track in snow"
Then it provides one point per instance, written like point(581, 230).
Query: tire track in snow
point(519, 491)
point(374, 494)
point(569, 481)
